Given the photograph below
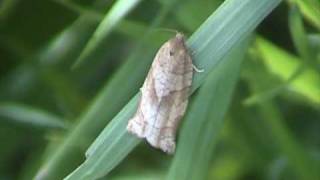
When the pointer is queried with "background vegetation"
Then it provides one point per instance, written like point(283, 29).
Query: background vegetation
point(70, 71)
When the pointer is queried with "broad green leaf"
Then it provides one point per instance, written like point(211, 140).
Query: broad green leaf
point(144, 176)
point(221, 32)
point(84, 11)
point(103, 108)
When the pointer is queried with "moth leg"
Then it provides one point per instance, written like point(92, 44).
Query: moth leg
point(197, 69)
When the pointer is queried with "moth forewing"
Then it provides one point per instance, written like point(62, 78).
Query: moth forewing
point(164, 96)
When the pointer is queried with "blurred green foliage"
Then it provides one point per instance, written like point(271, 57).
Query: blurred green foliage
point(69, 67)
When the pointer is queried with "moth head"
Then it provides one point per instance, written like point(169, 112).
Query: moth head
point(177, 46)
point(180, 37)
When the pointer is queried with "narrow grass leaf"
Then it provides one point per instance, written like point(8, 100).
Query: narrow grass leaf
point(300, 161)
point(118, 11)
point(231, 23)
point(278, 136)
point(92, 168)
point(314, 40)
point(311, 10)
point(103, 108)
point(97, 115)
point(68, 44)
point(30, 116)
point(299, 36)
point(283, 65)
point(134, 29)
point(204, 120)
point(200, 11)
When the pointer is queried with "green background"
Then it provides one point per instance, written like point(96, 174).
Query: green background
point(68, 68)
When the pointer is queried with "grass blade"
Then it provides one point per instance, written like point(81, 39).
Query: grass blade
point(311, 10)
point(118, 11)
point(204, 120)
point(302, 164)
point(230, 24)
point(30, 116)
point(275, 134)
point(97, 115)
point(307, 83)
point(299, 36)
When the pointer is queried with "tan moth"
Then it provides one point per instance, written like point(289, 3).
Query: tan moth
point(164, 96)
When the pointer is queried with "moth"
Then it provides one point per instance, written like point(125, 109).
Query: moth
point(164, 96)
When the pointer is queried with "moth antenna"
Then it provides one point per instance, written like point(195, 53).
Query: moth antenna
point(168, 30)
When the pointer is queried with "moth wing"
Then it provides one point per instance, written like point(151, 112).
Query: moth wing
point(172, 77)
point(164, 97)
point(161, 131)
point(147, 109)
